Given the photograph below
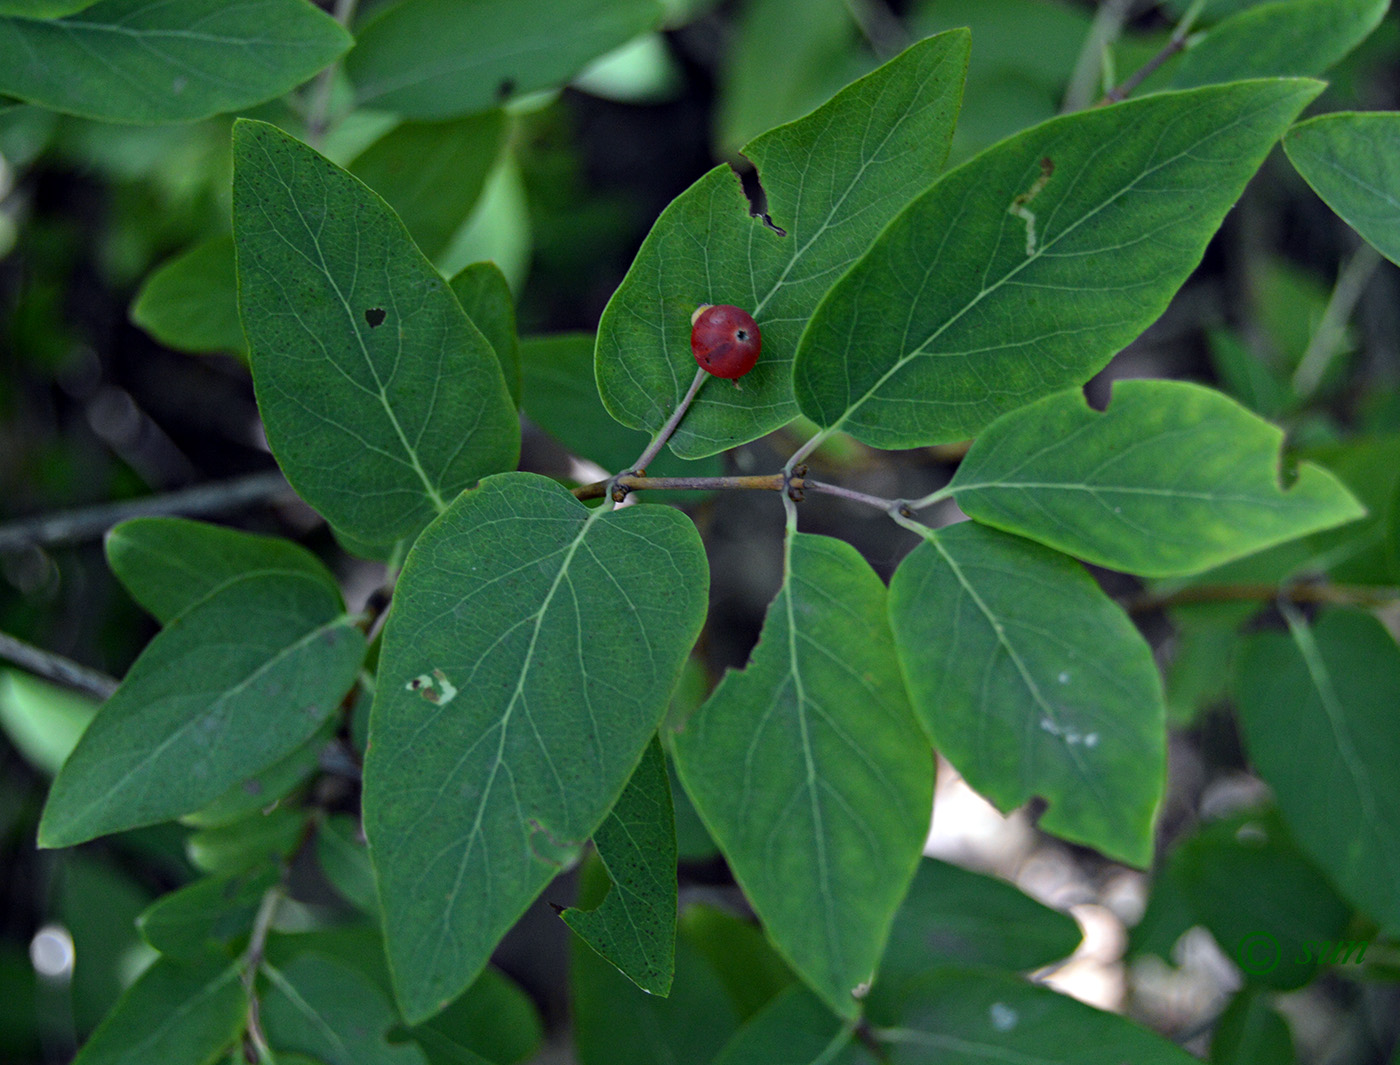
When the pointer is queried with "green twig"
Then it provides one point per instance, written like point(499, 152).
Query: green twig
point(1326, 342)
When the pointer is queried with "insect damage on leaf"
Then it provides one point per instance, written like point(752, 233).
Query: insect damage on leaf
point(375, 317)
point(1020, 210)
point(435, 688)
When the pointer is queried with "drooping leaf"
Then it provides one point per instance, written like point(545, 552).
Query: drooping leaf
point(832, 180)
point(434, 59)
point(796, 1028)
point(432, 173)
point(1286, 38)
point(323, 1008)
point(485, 295)
point(179, 1010)
point(1033, 683)
point(989, 291)
point(381, 399)
point(529, 658)
point(175, 61)
point(811, 774)
point(169, 564)
point(190, 303)
point(225, 690)
point(1172, 479)
point(206, 915)
point(1353, 162)
point(635, 927)
point(1318, 713)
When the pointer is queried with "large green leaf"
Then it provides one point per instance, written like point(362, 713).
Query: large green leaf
point(529, 658)
point(811, 774)
point(171, 61)
point(191, 302)
point(832, 180)
point(1172, 479)
point(432, 59)
point(226, 689)
point(635, 927)
point(1289, 37)
point(1026, 269)
point(1353, 162)
point(181, 1011)
point(1318, 713)
point(1034, 684)
point(169, 564)
point(381, 399)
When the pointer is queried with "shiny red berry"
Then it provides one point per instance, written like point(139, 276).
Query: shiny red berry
point(724, 339)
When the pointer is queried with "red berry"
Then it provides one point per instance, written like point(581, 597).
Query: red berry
point(724, 339)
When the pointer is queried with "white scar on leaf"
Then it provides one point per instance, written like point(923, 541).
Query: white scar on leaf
point(1020, 210)
point(436, 688)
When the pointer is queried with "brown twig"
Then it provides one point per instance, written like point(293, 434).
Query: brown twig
point(1175, 44)
point(56, 668)
point(631, 482)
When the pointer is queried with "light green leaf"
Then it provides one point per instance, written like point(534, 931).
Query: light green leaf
point(174, 61)
point(1172, 479)
point(635, 927)
point(811, 774)
point(1290, 37)
point(225, 690)
point(432, 59)
point(206, 915)
point(989, 291)
point(1352, 160)
point(321, 1007)
point(169, 564)
point(1318, 714)
point(381, 399)
point(976, 1017)
point(832, 180)
point(485, 296)
point(42, 720)
point(190, 303)
point(529, 658)
point(188, 1012)
point(1034, 684)
point(257, 840)
point(431, 173)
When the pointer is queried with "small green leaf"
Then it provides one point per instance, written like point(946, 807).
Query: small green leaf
point(485, 296)
point(185, 1011)
point(529, 658)
point(1318, 713)
point(169, 564)
point(811, 774)
point(1287, 38)
point(257, 840)
point(190, 303)
point(991, 289)
point(635, 927)
point(795, 1027)
point(832, 180)
point(1353, 162)
point(1172, 479)
point(175, 61)
point(227, 689)
point(1034, 684)
point(207, 915)
point(359, 349)
point(433, 59)
point(432, 173)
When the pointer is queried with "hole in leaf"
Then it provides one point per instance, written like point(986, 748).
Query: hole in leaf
point(755, 194)
point(375, 317)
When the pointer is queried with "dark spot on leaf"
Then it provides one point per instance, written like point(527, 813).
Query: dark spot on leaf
point(505, 88)
point(375, 317)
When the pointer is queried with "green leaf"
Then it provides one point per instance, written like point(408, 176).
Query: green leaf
point(485, 296)
point(175, 61)
point(267, 787)
point(832, 180)
point(340, 848)
point(207, 915)
point(432, 173)
point(258, 839)
point(190, 302)
point(796, 1028)
point(170, 564)
point(99, 904)
point(635, 927)
point(1353, 162)
point(433, 59)
point(1251, 1032)
point(1318, 713)
point(1364, 551)
point(1290, 37)
point(495, 1021)
point(529, 658)
point(321, 1007)
point(227, 689)
point(1034, 684)
point(811, 774)
point(381, 399)
point(182, 1011)
point(43, 8)
point(972, 1017)
point(1172, 479)
point(739, 953)
point(927, 339)
point(42, 720)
